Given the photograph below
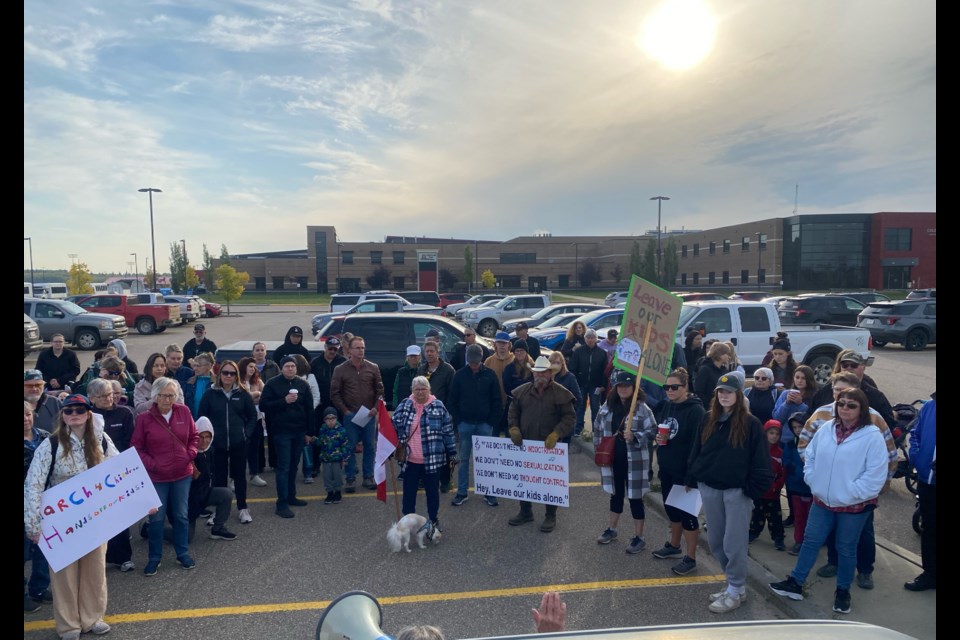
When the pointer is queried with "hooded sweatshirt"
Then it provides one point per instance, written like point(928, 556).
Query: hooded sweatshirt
point(289, 349)
point(684, 419)
point(121, 348)
point(200, 486)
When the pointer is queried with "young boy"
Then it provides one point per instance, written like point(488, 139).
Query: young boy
point(767, 508)
point(800, 497)
point(334, 446)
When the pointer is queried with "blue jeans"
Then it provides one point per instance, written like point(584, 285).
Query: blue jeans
point(821, 522)
point(866, 547)
point(39, 570)
point(595, 403)
point(289, 446)
point(412, 473)
point(173, 496)
point(368, 433)
point(467, 430)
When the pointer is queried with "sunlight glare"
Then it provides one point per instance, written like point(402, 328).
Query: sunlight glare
point(679, 33)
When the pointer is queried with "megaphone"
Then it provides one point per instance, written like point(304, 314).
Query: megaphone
point(354, 615)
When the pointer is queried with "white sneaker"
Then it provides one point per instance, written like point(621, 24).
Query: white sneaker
point(716, 596)
point(210, 521)
point(726, 602)
point(257, 481)
point(127, 566)
point(244, 516)
point(232, 488)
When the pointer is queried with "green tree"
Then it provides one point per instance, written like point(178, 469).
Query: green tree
point(468, 266)
point(590, 272)
point(448, 279)
point(487, 279)
point(224, 254)
point(191, 278)
point(79, 279)
point(617, 273)
point(207, 269)
point(178, 268)
point(648, 269)
point(380, 278)
point(230, 283)
point(149, 279)
point(636, 262)
point(670, 264)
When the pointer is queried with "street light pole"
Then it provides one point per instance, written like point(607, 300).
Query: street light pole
point(759, 249)
point(136, 268)
point(576, 265)
point(30, 243)
point(659, 200)
point(339, 284)
point(153, 244)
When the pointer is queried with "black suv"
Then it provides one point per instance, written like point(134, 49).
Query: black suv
point(431, 298)
point(825, 309)
point(866, 297)
point(912, 323)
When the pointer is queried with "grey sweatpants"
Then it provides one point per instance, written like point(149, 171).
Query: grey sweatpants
point(728, 531)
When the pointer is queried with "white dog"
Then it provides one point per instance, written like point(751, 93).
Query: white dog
point(411, 525)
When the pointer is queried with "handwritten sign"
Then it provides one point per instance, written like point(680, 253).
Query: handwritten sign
point(647, 302)
point(629, 351)
point(80, 514)
point(531, 473)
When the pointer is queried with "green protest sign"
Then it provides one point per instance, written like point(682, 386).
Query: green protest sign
point(648, 305)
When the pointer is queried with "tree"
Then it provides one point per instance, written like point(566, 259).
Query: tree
point(380, 278)
point(670, 264)
point(468, 266)
point(617, 273)
point(648, 269)
point(448, 279)
point(636, 262)
point(191, 278)
point(149, 278)
point(487, 279)
point(230, 283)
point(590, 272)
point(224, 254)
point(79, 279)
point(178, 268)
point(207, 268)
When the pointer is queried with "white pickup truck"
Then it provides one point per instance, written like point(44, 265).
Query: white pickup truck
point(752, 326)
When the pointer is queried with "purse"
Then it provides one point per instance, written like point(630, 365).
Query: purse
point(603, 455)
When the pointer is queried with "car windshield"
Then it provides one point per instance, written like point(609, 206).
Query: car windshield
point(558, 320)
point(686, 312)
point(590, 318)
point(71, 308)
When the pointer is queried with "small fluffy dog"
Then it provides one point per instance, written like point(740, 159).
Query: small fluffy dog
point(411, 525)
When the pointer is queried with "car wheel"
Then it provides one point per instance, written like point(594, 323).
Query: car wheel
point(487, 328)
point(822, 365)
point(879, 343)
point(87, 339)
point(146, 326)
point(916, 340)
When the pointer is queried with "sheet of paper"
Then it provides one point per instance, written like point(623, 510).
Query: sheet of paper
point(361, 417)
point(687, 501)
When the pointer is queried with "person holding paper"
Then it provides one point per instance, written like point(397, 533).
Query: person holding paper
point(354, 389)
point(678, 421)
point(80, 588)
point(730, 464)
point(628, 475)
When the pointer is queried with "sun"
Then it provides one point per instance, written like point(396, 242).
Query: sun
point(679, 33)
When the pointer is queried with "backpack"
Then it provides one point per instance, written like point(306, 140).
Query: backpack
point(54, 445)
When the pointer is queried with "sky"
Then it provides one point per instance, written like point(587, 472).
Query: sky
point(485, 120)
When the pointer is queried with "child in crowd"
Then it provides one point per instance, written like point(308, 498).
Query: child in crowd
point(798, 491)
point(333, 446)
point(767, 508)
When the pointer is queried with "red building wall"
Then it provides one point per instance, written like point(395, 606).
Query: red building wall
point(922, 252)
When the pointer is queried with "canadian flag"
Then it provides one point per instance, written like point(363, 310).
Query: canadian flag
point(386, 444)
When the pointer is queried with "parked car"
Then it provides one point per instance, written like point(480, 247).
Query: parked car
point(447, 299)
point(690, 297)
point(775, 300)
point(912, 323)
point(549, 312)
point(615, 298)
point(387, 336)
point(920, 294)
point(213, 309)
point(79, 326)
point(866, 297)
point(821, 309)
point(428, 298)
point(452, 309)
point(599, 320)
point(561, 320)
point(377, 305)
point(190, 306)
point(340, 302)
point(487, 321)
point(146, 318)
point(461, 314)
point(31, 336)
point(752, 296)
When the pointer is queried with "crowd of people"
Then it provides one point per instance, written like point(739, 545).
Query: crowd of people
point(205, 431)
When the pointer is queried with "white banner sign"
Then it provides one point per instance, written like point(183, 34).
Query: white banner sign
point(80, 514)
point(531, 473)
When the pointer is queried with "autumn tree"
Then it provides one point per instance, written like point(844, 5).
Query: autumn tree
point(230, 283)
point(79, 279)
point(487, 279)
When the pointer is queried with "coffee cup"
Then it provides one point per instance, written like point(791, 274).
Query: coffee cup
point(294, 391)
point(663, 434)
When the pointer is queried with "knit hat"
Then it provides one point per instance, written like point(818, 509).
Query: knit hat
point(521, 344)
point(474, 353)
point(329, 411)
point(287, 359)
point(781, 342)
point(772, 424)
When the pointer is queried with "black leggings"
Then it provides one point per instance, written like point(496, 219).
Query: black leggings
point(620, 485)
point(237, 457)
point(687, 521)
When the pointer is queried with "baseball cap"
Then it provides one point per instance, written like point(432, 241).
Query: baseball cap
point(849, 355)
point(474, 353)
point(502, 336)
point(612, 333)
point(76, 399)
point(32, 374)
point(199, 327)
point(730, 382)
point(296, 331)
point(333, 341)
point(521, 325)
point(413, 350)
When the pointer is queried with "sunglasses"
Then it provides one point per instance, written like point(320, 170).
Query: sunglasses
point(228, 373)
point(70, 411)
point(849, 365)
point(673, 387)
point(113, 374)
point(760, 378)
point(198, 331)
point(847, 405)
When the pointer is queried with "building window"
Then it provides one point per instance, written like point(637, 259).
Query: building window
point(726, 277)
point(761, 276)
point(376, 257)
point(726, 246)
point(744, 276)
point(897, 239)
point(713, 248)
point(563, 281)
point(696, 278)
point(696, 249)
point(712, 278)
point(510, 282)
point(398, 257)
point(683, 279)
point(302, 282)
point(278, 283)
point(763, 241)
point(518, 258)
point(683, 251)
point(346, 257)
point(745, 243)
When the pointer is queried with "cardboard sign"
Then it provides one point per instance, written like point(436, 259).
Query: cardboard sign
point(647, 302)
point(531, 473)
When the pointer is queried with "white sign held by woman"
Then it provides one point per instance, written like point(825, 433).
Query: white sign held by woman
point(531, 473)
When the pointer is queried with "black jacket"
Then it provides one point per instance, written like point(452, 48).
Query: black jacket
point(684, 420)
point(65, 369)
point(200, 487)
point(762, 402)
point(118, 424)
point(588, 364)
point(323, 372)
point(440, 379)
point(289, 349)
point(191, 349)
point(719, 465)
point(475, 397)
point(533, 346)
point(459, 360)
point(705, 380)
point(233, 417)
point(284, 416)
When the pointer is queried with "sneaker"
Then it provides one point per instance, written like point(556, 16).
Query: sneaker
point(45, 596)
point(668, 551)
point(491, 501)
point(795, 549)
point(244, 516)
point(151, 568)
point(865, 580)
point(726, 602)
point(922, 582)
point(222, 533)
point(779, 546)
point(186, 561)
point(297, 502)
point(210, 521)
point(206, 513)
point(827, 571)
point(308, 480)
point(29, 604)
point(337, 497)
point(788, 588)
point(841, 601)
point(329, 498)
point(720, 594)
point(284, 512)
point(459, 499)
point(99, 628)
point(637, 544)
point(368, 483)
point(686, 566)
point(127, 566)
point(232, 486)
point(351, 485)
point(257, 481)
point(608, 536)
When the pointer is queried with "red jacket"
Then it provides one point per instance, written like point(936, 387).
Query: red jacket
point(167, 457)
point(776, 466)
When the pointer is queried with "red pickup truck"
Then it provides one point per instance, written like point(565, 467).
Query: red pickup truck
point(147, 318)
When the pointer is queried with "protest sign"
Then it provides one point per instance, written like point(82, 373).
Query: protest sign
point(648, 305)
point(531, 473)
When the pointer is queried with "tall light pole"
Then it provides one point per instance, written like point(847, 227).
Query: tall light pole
point(136, 267)
point(659, 200)
point(339, 284)
point(153, 244)
point(30, 242)
point(759, 249)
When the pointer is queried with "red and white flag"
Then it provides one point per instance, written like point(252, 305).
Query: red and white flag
point(386, 444)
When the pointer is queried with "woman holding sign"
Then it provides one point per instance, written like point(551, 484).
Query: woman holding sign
point(80, 588)
point(627, 477)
